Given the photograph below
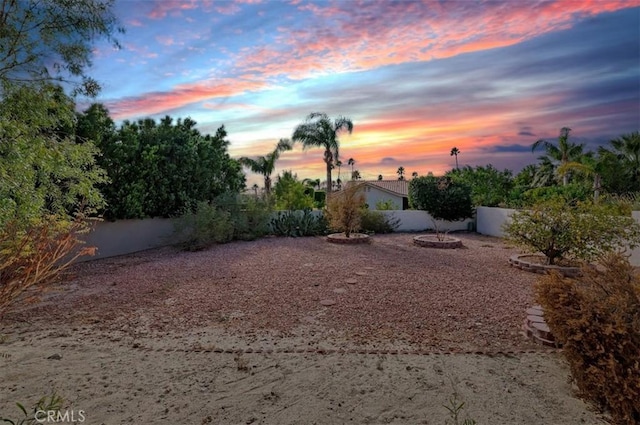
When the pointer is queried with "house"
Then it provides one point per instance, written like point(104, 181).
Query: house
point(379, 191)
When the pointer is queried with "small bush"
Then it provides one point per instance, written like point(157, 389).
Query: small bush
point(298, 223)
point(377, 222)
point(582, 231)
point(597, 319)
point(205, 227)
point(386, 205)
point(344, 209)
point(32, 258)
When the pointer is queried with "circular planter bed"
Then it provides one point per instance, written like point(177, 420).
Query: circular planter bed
point(353, 239)
point(535, 264)
point(432, 241)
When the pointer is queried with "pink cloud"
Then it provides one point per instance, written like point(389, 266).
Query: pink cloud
point(165, 7)
point(181, 95)
point(349, 38)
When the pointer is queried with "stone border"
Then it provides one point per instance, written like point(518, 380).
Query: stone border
point(431, 241)
point(354, 239)
point(519, 262)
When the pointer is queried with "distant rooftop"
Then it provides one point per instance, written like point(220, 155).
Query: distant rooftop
point(400, 187)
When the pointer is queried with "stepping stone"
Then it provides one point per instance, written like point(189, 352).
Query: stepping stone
point(369, 268)
point(339, 290)
point(327, 302)
point(534, 311)
point(361, 273)
point(351, 281)
point(535, 319)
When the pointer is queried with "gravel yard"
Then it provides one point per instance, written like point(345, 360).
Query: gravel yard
point(389, 291)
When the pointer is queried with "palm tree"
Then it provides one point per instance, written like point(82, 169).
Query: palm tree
point(400, 173)
point(338, 164)
point(414, 174)
point(265, 165)
point(563, 156)
point(625, 154)
point(319, 131)
point(379, 176)
point(255, 188)
point(454, 152)
point(355, 175)
point(351, 162)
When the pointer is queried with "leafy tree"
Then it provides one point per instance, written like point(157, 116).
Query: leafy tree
point(52, 41)
point(414, 174)
point(379, 177)
point(319, 130)
point(561, 154)
point(291, 194)
point(265, 165)
point(621, 164)
point(489, 186)
point(579, 231)
point(43, 171)
point(400, 173)
point(161, 169)
point(454, 152)
point(442, 197)
point(356, 175)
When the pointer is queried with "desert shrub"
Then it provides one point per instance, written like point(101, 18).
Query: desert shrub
point(442, 197)
point(582, 231)
point(206, 226)
point(292, 194)
point(229, 217)
point(298, 223)
point(32, 257)
point(597, 319)
point(377, 222)
point(249, 216)
point(344, 209)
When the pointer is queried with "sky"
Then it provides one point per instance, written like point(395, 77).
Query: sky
point(416, 78)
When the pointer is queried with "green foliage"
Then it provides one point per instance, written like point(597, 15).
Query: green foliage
point(207, 226)
point(377, 222)
point(571, 193)
point(596, 318)
point(43, 170)
point(52, 403)
point(291, 194)
point(160, 169)
point(489, 187)
point(319, 199)
point(229, 217)
point(298, 223)
point(386, 205)
point(580, 231)
point(344, 209)
point(442, 197)
point(52, 41)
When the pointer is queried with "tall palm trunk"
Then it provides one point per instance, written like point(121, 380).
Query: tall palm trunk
point(328, 155)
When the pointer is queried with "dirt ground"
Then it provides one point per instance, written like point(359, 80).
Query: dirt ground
point(238, 335)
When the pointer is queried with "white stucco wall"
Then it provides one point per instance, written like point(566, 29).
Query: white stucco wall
point(416, 221)
point(128, 236)
point(374, 195)
point(490, 220)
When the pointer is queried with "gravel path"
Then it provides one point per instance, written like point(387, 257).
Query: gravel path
point(389, 293)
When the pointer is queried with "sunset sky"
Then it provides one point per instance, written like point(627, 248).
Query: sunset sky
point(416, 78)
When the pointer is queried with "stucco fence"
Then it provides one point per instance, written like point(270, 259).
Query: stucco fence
point(490, 222)
point(128, 236)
